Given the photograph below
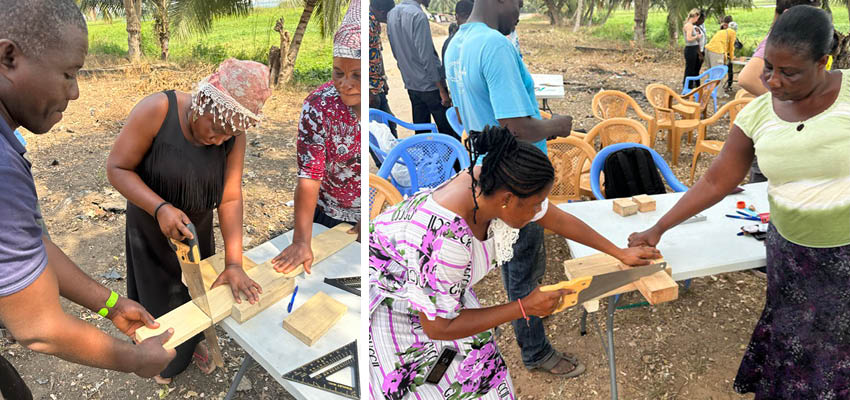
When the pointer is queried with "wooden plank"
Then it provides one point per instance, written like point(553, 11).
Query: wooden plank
point(187, 323)
point(314, 318)
point(213, 266)
point(645, 202)
point(275, 287)
point(625, 207)
point(658, 287)
point(327, 243)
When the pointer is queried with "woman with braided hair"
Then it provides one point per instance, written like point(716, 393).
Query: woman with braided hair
point(426, 253)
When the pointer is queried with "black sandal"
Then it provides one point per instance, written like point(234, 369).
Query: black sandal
point(555, 359)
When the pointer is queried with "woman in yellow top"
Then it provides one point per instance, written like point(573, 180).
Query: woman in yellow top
point(721, 48)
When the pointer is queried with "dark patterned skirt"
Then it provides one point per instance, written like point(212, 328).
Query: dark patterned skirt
point(800, 348)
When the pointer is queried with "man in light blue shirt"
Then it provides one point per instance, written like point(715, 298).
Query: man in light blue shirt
point(491, 85)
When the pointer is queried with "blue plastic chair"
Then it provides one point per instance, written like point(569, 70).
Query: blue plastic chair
point(452, 115)
point(712, 74)
point(429, 158)
point(602, 155)
point(383, 117)
point(376, 151)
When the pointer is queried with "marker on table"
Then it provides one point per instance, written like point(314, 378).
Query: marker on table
point(740, 217)
point(292, 300)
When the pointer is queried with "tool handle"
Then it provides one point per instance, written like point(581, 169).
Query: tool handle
point(576, 285)
point(188, 248)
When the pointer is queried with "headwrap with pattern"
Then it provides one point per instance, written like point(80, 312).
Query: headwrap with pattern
point(347, 37)
point(234, 94)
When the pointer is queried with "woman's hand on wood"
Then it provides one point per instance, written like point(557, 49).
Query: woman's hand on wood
point(172, 222)
point(291, 257)
point(639, 255)
point(239, 283)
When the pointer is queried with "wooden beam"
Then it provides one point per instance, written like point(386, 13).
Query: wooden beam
point(327, 243)
point(213, 266)
point(188, 320)
point(314, 318)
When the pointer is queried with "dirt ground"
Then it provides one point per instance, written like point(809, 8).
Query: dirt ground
point(686, 349)
point(84, 215)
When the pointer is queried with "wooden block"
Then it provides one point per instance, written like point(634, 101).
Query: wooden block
point(625, 207)
point(645, 202)
point(275, 287)
point(656, 288)
point(314, 318)
point(327, 243)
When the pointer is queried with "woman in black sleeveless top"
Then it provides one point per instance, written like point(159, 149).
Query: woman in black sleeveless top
point(179, 157)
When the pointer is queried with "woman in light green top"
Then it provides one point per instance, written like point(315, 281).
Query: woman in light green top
point(800, 130)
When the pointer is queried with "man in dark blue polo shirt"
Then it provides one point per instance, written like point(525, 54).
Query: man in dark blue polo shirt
point(43, 43)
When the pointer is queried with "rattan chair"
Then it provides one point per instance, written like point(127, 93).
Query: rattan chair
point(382, 194)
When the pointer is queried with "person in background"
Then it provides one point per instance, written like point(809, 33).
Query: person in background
point(800, 345)
point(43, 45)
point(378, 86)
point(492, 87)
point(750, 76)
point(410, 39)
point(730, 77)
point(462, 10)
point(328, 189)
point(177, 160)
point(721, 48)
point(700, 25)
point(692, 48)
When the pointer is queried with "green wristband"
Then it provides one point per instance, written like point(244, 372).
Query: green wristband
point(113, 298)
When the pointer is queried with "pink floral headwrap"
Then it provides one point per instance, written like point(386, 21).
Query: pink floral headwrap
point(234, 94)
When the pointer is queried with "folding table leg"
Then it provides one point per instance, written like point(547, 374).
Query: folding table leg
point(583, 323)
point(246, 363)
point(608, 347)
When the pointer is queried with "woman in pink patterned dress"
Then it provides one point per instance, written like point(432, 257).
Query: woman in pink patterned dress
point(427, 252)
point(328, 190)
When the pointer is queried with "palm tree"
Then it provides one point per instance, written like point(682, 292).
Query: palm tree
point(180, 16)
point(328, 14)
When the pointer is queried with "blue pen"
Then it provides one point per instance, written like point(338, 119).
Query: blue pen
point(291, 301)
point(748, 213)
point(740, 217)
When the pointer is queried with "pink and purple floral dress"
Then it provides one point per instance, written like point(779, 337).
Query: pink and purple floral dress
point(424, 258)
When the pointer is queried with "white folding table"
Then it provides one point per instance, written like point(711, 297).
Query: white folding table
point(276, 350)
point(547, 87)
point(692, 250)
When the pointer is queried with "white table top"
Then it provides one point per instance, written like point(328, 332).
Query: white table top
point(264, 338)
point(548, 86)
point(692, 250)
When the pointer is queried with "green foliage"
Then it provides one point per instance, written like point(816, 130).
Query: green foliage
point(246, 37)
point(753, 25)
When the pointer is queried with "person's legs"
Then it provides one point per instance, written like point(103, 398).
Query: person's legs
point(438, 111)
point(692, 65)
point(730, 77)
point(11, 384)
point(419, 107)
point(521, 275)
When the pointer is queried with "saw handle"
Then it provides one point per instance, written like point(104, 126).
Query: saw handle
point(187, 249)
point(576, 285)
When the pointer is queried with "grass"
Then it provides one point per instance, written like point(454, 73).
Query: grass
point(753, 26)
point(248, 37)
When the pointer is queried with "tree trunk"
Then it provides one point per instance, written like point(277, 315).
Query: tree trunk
point(641, 14)
point(588, 16)
point(611, 6)
point(553, 11)
point(673, 24)
point(578, 16)
point(161, 28)
point(134, 29)
point(278, 57)
point(288, 65)
point(825, 4)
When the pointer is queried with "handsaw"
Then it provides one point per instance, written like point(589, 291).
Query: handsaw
point(189, 256)
point(590, 287)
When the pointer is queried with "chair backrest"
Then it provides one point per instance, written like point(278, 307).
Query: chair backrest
point(617, 130)
point(599, 162)
point(717, 72)
point(376, 150)
point(382, 194)
point(613, 104)
point(732, 108)
point(453, 115)
point(743, 93)
point(429, 159)
point(661, 98)
point(383, 117)
point(702, 94)
point(568, 155)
